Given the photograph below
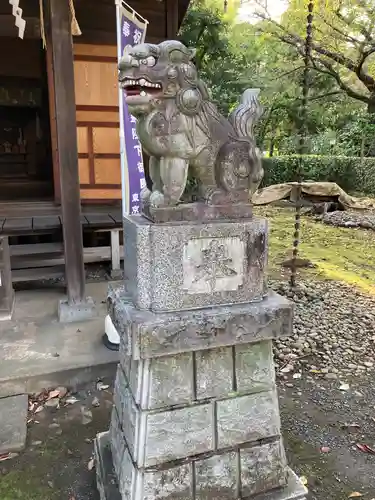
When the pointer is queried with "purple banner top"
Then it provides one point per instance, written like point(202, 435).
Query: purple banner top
point(131, 30)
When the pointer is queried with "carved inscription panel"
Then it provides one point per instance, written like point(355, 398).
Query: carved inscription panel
point(213, 265)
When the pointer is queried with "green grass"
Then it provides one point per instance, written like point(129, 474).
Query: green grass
point(346, 255)
point(20, 484)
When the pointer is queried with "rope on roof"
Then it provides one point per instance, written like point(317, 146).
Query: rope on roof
point(76, 31)
point(42, 29)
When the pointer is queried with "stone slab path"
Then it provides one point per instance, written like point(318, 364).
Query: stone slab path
point(13, 427)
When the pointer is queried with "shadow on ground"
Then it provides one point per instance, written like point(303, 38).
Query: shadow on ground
point(314, 415)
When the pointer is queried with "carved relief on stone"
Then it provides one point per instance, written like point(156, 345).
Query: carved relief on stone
point(213, 265)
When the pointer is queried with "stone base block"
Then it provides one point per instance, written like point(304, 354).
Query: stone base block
point(199, 212)
point(187, 265)
point(212, 480)
point(79, 311)
point(106, 480)
point(146, 334)
point(7, 306)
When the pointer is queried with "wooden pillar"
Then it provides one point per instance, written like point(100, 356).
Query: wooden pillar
point(171, 7)
point(61, 79)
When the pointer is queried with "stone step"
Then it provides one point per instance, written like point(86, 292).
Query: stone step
point(39, 353)
point(13, 423)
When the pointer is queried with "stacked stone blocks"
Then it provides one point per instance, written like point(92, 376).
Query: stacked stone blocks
point(167, 423)
point(195, 405)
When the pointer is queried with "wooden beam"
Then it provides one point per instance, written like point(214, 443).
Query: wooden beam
point(59, 38)
point(172, 20)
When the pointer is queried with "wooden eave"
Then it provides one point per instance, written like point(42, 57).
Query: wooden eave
point(96, 19)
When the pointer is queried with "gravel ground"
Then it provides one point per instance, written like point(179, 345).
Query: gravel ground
point(365, 219)
point(333, 332)
point(327, 391)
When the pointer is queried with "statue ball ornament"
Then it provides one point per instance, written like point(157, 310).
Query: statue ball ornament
point(181, 129)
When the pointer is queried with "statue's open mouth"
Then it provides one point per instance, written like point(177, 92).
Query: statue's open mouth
point(140, 87)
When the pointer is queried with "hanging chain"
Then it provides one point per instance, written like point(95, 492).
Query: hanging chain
point(302, 139)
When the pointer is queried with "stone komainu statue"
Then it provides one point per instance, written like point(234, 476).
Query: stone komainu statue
point(181, 129)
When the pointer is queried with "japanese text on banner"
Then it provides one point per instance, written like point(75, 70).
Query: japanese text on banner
point(132, 31)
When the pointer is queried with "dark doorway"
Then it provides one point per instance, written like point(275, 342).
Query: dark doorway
point(26, 170)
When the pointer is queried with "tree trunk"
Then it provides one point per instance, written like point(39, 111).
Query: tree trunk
point(371, 111)
point(272, 146)
point(371, 107)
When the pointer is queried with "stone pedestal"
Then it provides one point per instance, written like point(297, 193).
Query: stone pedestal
point(195, 404)
point(6, 287)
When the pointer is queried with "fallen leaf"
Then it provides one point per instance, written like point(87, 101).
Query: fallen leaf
point(86, 415)
point(344, 387)
point(53, 394)
point(71, 400)
point(50, 484)
point(365, 448)
point(63, 391)
point(325, 449)
point(96, 402)
point(42, 395)
point(31, 406)
point(297, 375)
point(303, 480)
point(91, 464)
point(315, 371)
point(7, 456)
point(52, 403)
point(350, 426)
point(101, 387)
point(39, 409)
point(355, 494)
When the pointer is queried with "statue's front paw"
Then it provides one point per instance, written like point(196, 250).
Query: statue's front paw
point(157, 199)
point(145, 195)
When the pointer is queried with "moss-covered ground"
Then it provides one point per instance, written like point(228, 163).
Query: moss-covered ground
point(339, 254)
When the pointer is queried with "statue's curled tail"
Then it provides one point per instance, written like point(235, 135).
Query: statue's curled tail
point(242, 159)
point(247, 114)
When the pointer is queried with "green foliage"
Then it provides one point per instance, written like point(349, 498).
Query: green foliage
point(233, 56)
point(342, 46)
point(350, 173)
point(356, 137)
point(225, 56)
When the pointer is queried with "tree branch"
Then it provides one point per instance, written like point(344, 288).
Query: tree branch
point(346, 62)
point(334, 74)
point(328, 94)
point(345, 36)
point(362, 60)
point(367, 34)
